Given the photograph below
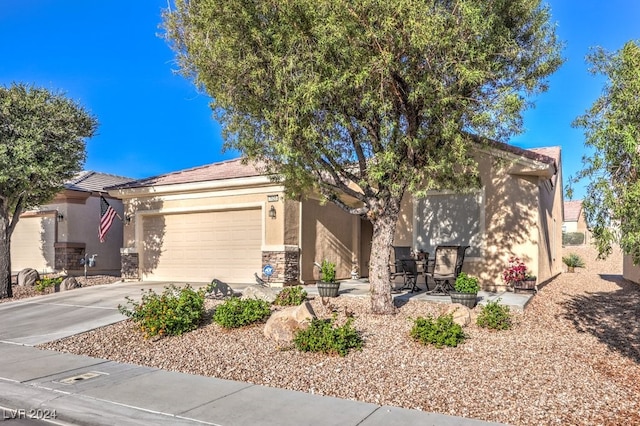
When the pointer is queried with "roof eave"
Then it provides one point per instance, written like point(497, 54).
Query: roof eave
point(221, 184)
point(521, 165)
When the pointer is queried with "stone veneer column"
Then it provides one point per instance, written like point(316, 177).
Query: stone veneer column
point(286, 265)
point(68, 256)
point(129, 264)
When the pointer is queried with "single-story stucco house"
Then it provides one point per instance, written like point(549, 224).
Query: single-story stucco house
point(56, 236)
point(227, 221)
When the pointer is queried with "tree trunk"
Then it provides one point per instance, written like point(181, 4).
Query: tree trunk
point(5, 257)
point(384, 227)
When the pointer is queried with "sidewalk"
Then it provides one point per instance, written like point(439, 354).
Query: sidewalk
point(82, 390)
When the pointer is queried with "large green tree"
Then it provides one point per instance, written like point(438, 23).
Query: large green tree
point(364, 100)
point(612, 131)
point(41, 145)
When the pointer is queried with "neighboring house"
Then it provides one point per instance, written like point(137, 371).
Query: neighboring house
point(57, 236)
point(227, 221)
point(574, 220)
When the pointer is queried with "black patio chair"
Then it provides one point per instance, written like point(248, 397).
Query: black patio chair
point(401, 253)
point(410, 267)
point(446, 267)
point(405, 265)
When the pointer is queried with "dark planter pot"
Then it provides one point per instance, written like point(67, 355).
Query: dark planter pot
point(467, 299)
point(328, 289)
point(525, 285)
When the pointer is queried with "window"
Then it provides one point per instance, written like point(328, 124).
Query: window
point(448, 218)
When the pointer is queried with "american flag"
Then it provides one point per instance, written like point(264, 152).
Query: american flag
point(107, 214)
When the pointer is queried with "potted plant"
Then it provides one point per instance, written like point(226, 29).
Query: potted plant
point(466, 290)
point(515, 272)
point(573, 261)
point(528, 283)
point(327, 286)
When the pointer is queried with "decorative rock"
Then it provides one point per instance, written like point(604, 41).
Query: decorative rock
point(461, 314)
point(69, 283)
point(283, 325)
point(28, 277)
point(267, 294)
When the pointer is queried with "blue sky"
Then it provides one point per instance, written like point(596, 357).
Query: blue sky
point(107, 55)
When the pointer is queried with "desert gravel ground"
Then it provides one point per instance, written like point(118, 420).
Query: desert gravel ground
point(572, 358)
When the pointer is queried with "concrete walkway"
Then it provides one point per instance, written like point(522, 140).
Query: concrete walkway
point(82, 390)
point(360, 288)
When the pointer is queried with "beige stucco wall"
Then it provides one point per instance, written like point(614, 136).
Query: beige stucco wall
point(550, 247)
point(327, 233)
point(629, 270)
point(582, 223)
point(291, 234)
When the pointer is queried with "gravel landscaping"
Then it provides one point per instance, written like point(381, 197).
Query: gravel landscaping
point(573, 356)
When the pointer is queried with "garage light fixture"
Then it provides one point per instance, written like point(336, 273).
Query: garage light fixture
point(272, 212)
point(127, 219)
point(60, 217)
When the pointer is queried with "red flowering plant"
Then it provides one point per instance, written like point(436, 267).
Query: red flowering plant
point(516, 271)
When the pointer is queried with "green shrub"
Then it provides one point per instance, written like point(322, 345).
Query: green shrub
point(572, 238)
point(466, 283)
point(572, 260)
point(171, 313)
point(441, 331)
point(328, 271)
point(495, 316)
point(236, 312)
point(324, 336)
point(45, 282)
point(291, 296)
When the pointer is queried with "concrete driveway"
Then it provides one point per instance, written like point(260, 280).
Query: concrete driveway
point(54, 316)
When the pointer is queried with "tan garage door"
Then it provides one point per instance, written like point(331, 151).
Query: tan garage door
point(198, 247)
point(32, 243)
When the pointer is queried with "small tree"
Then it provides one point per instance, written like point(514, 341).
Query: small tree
point(365, 99)
point(41, 146)
point(612, 129)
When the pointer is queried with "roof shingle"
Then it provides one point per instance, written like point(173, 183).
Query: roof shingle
point(90, 181)
point(572, 210)
point(230, 169)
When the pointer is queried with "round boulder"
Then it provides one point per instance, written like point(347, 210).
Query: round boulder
point(461, 314)
point(282, 325)
point(69, 283)
point(28, 277)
